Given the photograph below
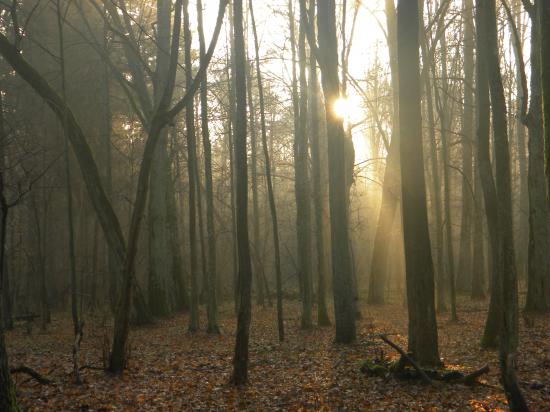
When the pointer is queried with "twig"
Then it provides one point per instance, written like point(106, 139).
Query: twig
point(422, 374)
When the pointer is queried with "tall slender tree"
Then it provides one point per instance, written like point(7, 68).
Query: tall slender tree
point(342, 277)
point(8, 400)
point(303, 210)
point(212, 306)
point(544, 10)
point(508, 336)
point(315, 145)
point(485, 170)
point(192, 175)
point(159, 251)
point(423, 342)
point(390, 188)
point(240, 360)
point(538, 266)
point(465, 268)
point(269, 180)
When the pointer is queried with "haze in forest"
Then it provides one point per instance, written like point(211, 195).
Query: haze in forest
point(326, 203)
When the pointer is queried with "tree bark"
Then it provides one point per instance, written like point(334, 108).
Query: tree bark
point(315, 147)
point(212, 305)
point(492, 324)
point(423, 341)
point(465, 267)
point(538, 269)
point(192, 176)
point(269, 181)
point(544, 10)
point(8, 401)
point(302, 190)
point(342, 279)
point(391, 184)
point(436, 180)
point(505, 235)
point(240, 360)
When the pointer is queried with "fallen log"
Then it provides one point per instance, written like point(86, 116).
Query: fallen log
point(398, 369)
point(32, 373)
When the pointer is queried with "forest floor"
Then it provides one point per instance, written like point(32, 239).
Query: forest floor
point(171, 369)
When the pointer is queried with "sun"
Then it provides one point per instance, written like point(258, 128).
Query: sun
point(348, 109)
point(341, 107)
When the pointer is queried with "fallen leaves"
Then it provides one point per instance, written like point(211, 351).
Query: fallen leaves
point(170, 369)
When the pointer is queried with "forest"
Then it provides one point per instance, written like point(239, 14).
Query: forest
point(275, 205)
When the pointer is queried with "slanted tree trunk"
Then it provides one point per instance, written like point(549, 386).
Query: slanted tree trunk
point(269, 182)
point(110, 224)
point(240, 361)
point(342, 277)
point(423, 342)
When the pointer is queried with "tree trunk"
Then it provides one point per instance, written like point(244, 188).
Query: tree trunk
point(110, 224)
point(465, 267)
point(301, 167)
point(492, 325)
point(478, 258)
point(159, 249)
point(505, 234)
point(270, 193)
point(391, 183)
point(342, 281)
point(231, 138)
point(444, 110)
point(257, 248)
point(522, 225)
point(436, 181)
point(544, 10)
point(77, 325)
point(8, 401)
point(315, 136)
point(538, 287)
point(418, 257)
point(192, 176)
point(212, 305)
point(240, 361)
